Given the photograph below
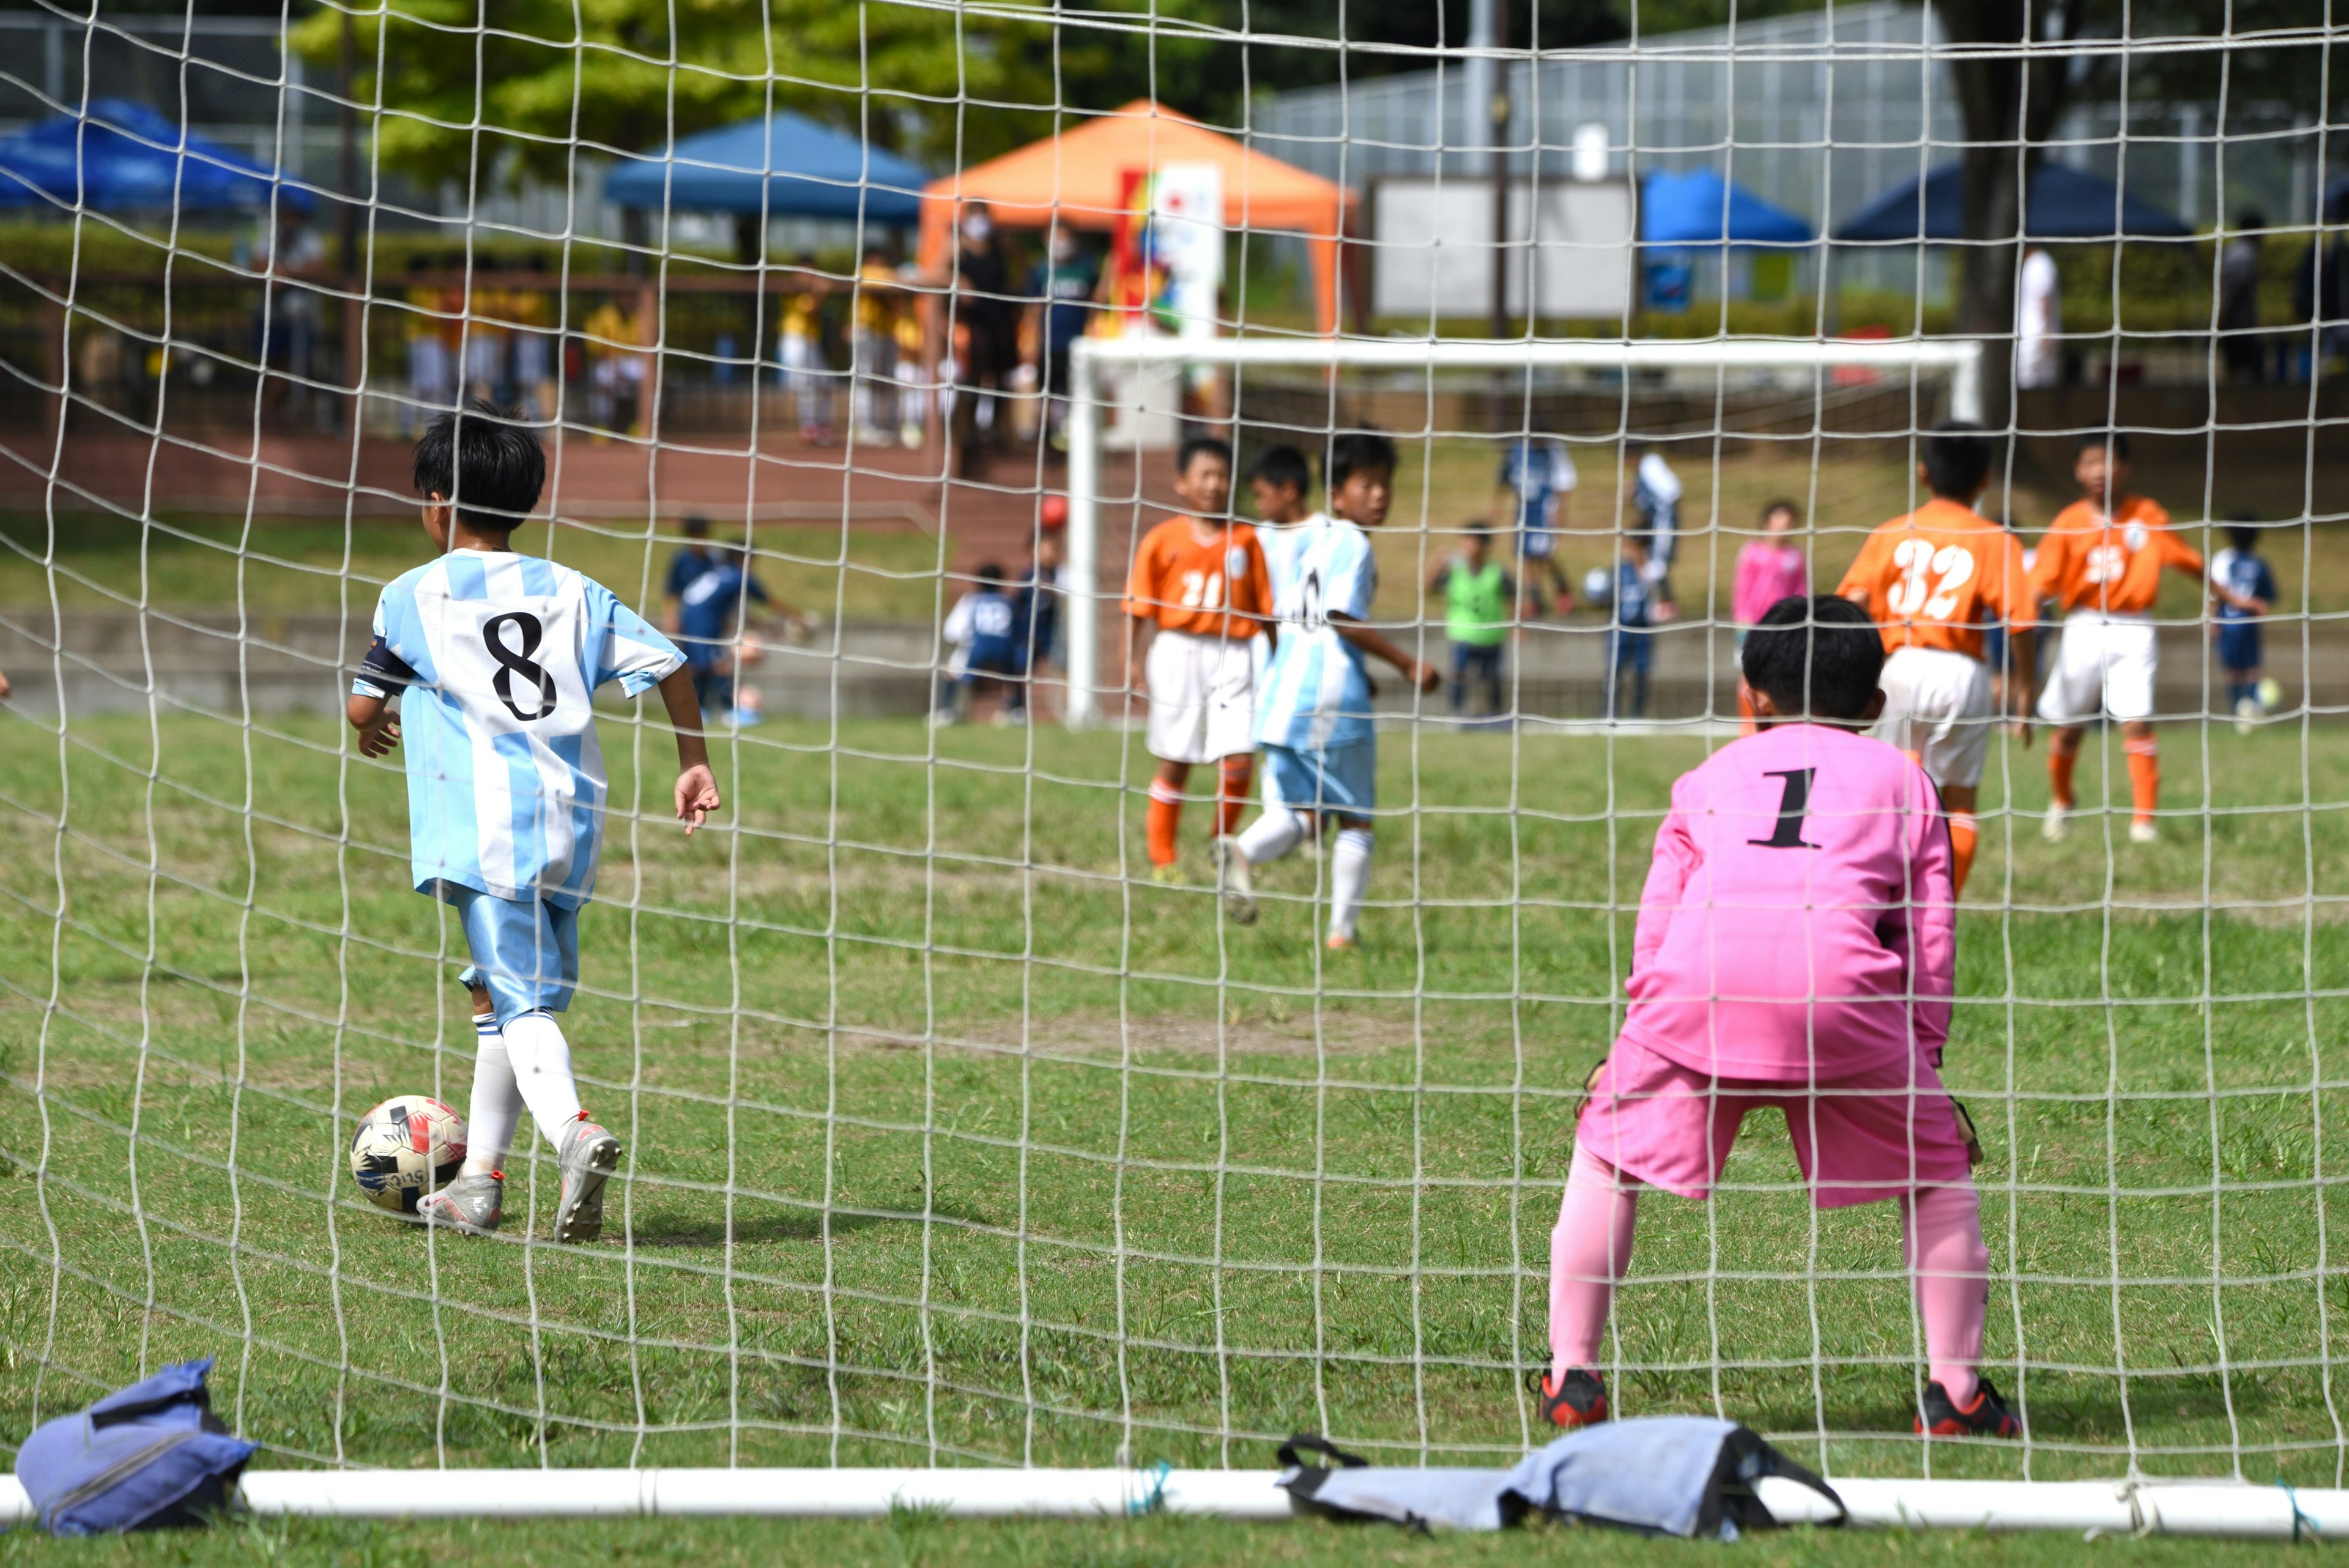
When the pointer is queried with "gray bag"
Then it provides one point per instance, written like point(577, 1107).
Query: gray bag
point(1660, 1475)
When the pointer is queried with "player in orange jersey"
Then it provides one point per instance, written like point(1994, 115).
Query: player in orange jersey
point(2101, 560)
point(1201, 581)
point(1933, 580)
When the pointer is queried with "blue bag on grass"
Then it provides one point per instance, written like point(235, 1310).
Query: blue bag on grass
point(151, 1455)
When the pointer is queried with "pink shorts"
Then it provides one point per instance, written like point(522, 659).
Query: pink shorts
point(1858, 1139)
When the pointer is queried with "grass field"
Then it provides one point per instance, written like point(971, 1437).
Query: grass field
point(951, 1139)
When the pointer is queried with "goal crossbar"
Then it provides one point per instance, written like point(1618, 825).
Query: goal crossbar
point(1959, 359)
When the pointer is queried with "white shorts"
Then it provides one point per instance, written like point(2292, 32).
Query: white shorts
point(1938, 708)
point(1202, 697)
point(2106, 661)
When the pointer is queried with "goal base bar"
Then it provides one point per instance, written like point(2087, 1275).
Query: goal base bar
point(2155, 1508)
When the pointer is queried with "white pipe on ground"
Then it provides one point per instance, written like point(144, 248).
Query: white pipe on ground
point(2114, 1508)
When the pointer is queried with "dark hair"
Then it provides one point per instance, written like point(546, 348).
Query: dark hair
point(2251, 218)
point(989, 573)
point(1282, 466)
point(1817, 657)
point(2243, 531)
point(1957, 459)
point(486, 461)
point(1477, 528)
point(1770, 508)
point(697, 526)
point(1197, 445)
point(2116, 440)
point(1354, 452)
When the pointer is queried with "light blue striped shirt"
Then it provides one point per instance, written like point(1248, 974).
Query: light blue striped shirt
point(505, 781)
point(1315, 693)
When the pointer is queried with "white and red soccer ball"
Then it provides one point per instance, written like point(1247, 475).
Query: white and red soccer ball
point(406, 1147)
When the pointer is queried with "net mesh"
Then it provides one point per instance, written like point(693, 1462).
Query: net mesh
point(954, 1135)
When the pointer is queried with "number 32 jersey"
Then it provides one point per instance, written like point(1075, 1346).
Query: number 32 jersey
point(505, 781)
point(1937, 577)
point(1798, 920)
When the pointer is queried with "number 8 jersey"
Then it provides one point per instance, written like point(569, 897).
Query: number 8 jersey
point(1938, 577)
point(505, 781)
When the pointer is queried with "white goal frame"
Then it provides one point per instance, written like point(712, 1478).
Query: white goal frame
point(1959, 358)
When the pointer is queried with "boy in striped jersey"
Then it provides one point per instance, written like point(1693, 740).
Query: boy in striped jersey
point(500, 655)
point(1313, 707)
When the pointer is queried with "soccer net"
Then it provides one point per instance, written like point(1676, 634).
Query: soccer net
point(958, 1131)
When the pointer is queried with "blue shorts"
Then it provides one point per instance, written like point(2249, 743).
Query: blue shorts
point(527, 953)
point(1537, 544)
point(2239, 644)
point(1344, 780)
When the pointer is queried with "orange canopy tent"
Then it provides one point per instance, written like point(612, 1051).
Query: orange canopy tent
point(1076, 176)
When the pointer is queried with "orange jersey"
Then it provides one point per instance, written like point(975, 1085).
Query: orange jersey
point(1936, 577)
point(2089, 561)
point(1221, 588)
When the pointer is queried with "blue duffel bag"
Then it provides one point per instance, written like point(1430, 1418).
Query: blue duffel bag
point(151, 1455)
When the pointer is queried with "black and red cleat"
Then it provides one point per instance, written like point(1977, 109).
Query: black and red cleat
point(1987, 1417)
point(1582, 1402)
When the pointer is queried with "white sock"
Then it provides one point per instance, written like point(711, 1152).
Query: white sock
point(541, 1068)
point(1350, 879)
point(1273, 835)
point(497, 1101)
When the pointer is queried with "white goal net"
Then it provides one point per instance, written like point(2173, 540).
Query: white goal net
point(963, 1123)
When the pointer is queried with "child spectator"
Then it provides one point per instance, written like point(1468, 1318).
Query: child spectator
point(1795, 951)
point(1479, 605)
point(1631, 645)
point(982, 629)
point(2243, 592)
point(1536, 501)
point(1769, 568)
point(1036, 603)
point(799, 350)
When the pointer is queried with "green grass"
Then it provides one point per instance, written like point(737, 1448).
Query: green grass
point(950, 1140)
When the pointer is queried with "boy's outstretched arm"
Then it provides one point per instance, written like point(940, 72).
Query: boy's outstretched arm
point(1373, 641)
point(372, 716)
point(697, 786)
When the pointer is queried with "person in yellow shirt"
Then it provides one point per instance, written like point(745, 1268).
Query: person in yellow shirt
point(872, 347)
point(799, 350)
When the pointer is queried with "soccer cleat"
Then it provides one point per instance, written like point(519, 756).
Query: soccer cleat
point(586, 1156)
point(1235, 881)
point(2143, 832)
point(1166, 876)
point(1987, 1417)
point(2247, 715)
point(470, 1204)
point(1582, 1402)
point(1338, 944)
point(2055, 823)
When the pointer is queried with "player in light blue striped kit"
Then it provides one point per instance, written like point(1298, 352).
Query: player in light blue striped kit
point(500, 655)
point(1313, 706)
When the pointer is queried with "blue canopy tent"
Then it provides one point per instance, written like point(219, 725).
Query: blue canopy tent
point(1700, 208)
point(125, 156)
point(787, 166)
point(2063, 203)
point(1682, 215)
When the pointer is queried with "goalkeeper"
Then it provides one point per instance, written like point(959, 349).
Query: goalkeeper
point(1795, 948)
point(501, 655)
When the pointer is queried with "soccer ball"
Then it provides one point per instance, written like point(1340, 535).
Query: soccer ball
point(1598, 587)
point(2270, 694)
point(405, 1147)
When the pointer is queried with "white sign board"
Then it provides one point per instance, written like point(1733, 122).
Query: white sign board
point(1433, 248)
point(1186, 224)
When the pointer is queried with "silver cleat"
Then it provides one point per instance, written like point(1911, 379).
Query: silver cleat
point(1233, 882)
point(586, 1156)
point(470, 1204)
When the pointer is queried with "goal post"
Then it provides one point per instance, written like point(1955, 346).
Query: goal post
point(1093, 359)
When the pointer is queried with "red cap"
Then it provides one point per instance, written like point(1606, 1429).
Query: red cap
point(1053, 512)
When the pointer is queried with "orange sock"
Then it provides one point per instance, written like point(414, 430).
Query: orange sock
point(1164, 817)
point(2145, 778)
point(1962, 835)
point(1232, 790)
point(2060, 765)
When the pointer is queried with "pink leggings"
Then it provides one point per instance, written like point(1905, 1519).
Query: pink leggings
point(1590, 1251)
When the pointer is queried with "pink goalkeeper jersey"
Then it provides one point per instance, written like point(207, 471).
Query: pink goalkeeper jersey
point(1797, 922)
